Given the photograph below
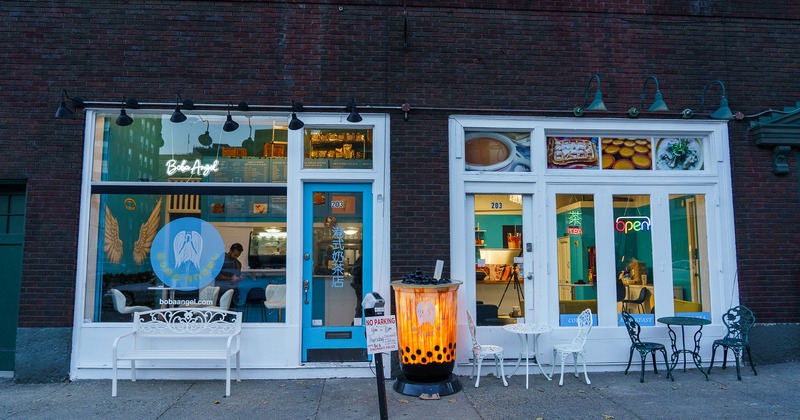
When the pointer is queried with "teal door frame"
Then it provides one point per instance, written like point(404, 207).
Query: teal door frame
point(333, 343)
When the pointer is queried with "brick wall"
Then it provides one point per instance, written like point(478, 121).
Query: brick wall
point(458, 54)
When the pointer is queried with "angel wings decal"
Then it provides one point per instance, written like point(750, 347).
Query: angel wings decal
point(112, 244)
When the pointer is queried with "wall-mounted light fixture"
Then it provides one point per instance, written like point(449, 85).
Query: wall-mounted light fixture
point(596, 105)
point(63, 111)
point(295, 123)
point(124, 119)
point(177, 115)
point(205, 138)
point(658, 103)
point(722, 113)
point(354, 117)
point(230, 125)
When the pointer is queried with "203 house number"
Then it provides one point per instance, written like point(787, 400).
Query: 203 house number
point(497, 204)
point(337, 204)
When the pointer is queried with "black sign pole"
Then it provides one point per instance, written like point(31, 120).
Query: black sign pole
point(373, 307)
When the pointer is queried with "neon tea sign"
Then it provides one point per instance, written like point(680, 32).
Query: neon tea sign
point(198, 168)
point(627, 224)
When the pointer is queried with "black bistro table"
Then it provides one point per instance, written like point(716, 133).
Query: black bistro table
point(685, 321)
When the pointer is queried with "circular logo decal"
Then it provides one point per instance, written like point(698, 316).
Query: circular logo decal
point(187, 254)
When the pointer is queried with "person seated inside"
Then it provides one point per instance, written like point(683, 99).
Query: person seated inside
point(231, 271)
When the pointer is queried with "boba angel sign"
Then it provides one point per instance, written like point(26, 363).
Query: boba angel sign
point(187, 254)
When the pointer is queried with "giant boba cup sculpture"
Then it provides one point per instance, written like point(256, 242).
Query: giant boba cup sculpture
point(427, 316)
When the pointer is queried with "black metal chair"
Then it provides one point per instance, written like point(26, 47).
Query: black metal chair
point(643, 347)
point(644, 294)
point(738, 320)
point(255, 297)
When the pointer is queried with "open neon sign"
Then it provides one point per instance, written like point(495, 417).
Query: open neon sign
point(627, 224)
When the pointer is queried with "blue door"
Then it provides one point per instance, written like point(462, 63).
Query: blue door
point(337, 268)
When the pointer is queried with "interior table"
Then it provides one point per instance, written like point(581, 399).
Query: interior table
point(685, 321)
point(528, 337)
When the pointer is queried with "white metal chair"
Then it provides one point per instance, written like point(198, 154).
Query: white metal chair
point(575, 348)
point(209, 293)
point(120, 303)
point(276, 298)
point(481, 351)
point(225, 299)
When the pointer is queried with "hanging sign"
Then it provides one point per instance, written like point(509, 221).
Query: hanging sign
point(627, 224)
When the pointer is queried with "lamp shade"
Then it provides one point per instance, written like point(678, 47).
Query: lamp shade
point(124, 119)
point(658, 103)
point(723, 112)
point(63, 111)
point(230, 125)
point(177, 116)
point(597, 104)
point(205, 139)
point(295, 123)
point(354, 116)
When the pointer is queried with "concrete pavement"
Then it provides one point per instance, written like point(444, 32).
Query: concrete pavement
point(612, 395)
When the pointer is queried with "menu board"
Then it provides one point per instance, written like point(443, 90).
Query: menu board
point(278, 170)
point(241, 170)
point(256, 170)
point(245, 206)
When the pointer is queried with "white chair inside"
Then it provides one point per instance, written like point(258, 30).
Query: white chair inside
point(481, 351)
point(575, 348)
point(225, 300)
point(209, 294)
point(276, 298)
point(120, 303)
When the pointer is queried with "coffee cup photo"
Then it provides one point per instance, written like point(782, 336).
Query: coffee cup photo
point(492, 152)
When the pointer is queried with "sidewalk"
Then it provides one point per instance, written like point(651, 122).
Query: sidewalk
point(612, 395)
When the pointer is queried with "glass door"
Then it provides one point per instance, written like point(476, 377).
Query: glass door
point(499, 243)
point(337, 248)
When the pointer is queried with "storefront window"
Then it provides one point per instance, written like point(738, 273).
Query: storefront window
point(152, 149)
point(689, 254)
point(577, 263)
point(338, 149)
point(633, 247)
point(176, 241)
point(500, 297)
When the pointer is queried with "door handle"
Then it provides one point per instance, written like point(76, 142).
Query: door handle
point(305, 291)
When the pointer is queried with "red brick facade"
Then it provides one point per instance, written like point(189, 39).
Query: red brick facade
point(507, 55)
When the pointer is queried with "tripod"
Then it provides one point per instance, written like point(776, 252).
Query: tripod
point(517, 286)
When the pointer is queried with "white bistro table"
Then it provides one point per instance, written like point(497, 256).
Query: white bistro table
point(528, 336)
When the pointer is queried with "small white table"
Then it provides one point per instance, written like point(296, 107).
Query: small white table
point(528, 336)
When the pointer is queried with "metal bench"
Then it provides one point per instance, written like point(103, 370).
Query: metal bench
point(184, 334)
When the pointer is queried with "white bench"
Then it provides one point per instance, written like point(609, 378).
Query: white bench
point(184, 332)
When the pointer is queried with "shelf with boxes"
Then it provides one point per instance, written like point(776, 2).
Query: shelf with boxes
point(338, 149)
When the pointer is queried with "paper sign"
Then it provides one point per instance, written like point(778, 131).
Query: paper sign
point(381, 334)
point(437, 273)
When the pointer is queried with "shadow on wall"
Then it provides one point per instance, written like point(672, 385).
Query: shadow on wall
point(775, 343)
